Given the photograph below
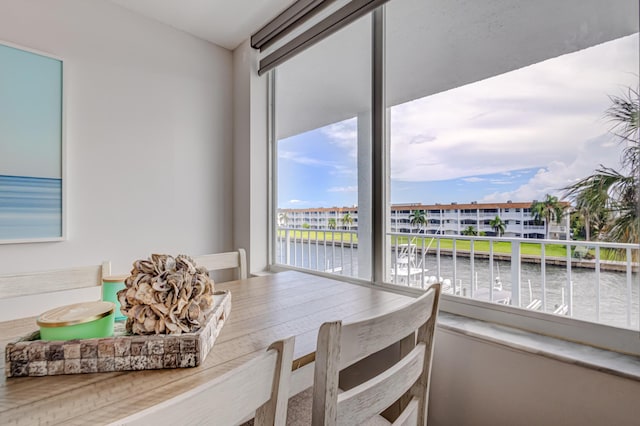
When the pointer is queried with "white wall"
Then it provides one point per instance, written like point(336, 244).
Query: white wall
point(149, 135)
point(251, 176)
point(478, 383)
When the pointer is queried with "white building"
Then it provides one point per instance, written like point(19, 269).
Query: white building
point(443, 219)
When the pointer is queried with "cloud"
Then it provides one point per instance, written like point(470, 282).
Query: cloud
point(344, 135)
point(343, 189)
point(295, 203)
point(542, 114)
point(473, 179)
point(344, 171)
point(558, 174)
point(422, 139)
point(302, 159)
point(501, 182)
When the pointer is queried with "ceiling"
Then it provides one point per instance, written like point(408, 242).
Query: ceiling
point(226, 23)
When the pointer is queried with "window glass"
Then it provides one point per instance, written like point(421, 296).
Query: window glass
point(493, 108)
point(323, 155)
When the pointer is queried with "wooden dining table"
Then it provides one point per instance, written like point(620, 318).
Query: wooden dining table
point(263, 309)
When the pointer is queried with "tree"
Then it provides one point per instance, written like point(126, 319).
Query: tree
point(469, 230)
point(283, 219)
point(331, 223)
point(498, 226)
point(615, 191)
point(588, 218)
point(419, 218)
point(347, 220)
point(548, 210)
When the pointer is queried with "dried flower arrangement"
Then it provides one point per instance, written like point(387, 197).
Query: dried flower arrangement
point(166, 295)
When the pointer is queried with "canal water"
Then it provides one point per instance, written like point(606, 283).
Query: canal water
point(615, 306)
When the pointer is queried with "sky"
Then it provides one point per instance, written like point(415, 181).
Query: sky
point(30, 114)
point(517, 136)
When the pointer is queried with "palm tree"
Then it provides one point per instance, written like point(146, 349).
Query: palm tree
point(283, 219)
point(347, 220)
point(419, 218)
point(548, 209)
point(498, 225)
point(611, 190)
point(469, 230)
point(590, 215)
point(331, 223)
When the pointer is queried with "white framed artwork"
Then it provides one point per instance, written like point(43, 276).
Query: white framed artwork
point(32, 195)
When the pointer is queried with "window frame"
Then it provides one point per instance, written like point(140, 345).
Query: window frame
point(603, 336)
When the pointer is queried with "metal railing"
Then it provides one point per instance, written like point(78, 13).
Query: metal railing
point(328, 250)
point(595, 281)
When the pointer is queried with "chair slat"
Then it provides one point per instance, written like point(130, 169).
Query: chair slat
point(409, 416)
point(32, 293)
point(362, 338)
point(359, 404)
point(23, 284)
point(229, 260)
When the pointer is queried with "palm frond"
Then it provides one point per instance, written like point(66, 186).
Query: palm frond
point(623, 113)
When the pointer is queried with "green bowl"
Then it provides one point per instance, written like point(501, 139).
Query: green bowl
point(78, 321)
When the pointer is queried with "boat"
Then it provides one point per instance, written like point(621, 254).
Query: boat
point(407, 270)
point(499, 295)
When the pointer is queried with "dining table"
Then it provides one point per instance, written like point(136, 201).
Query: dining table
point(264, 309)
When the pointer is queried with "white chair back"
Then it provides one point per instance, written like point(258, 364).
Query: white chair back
point(230, 260)
point(341, 345)
point(260, 385)
point(32, 293)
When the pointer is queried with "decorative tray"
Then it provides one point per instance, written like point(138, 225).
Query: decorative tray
point(30, 356)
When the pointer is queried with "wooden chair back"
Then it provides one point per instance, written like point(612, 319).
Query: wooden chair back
point(32, 293)
point(343, 344)
point(230, 260)
point(260, 385)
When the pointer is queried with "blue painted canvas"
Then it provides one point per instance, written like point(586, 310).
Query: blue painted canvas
point(30, 146)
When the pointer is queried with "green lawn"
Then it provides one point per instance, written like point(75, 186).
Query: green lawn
point(321, 236)
point(483, 246)
point(533, 249)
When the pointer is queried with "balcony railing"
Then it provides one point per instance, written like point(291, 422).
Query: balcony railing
point(594, 281)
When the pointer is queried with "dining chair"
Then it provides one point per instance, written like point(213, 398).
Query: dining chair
point(405, 383)
point(260, 385)
point(32, 293)
point(230, 260)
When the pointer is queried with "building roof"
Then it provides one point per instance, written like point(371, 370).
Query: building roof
point(418, 206)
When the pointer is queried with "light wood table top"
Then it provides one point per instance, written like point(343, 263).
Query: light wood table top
point(264, 309)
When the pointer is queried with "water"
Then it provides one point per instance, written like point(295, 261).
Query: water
point(30, 207)
point(613, 286)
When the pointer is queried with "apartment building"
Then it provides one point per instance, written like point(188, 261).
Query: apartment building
point(441, 219)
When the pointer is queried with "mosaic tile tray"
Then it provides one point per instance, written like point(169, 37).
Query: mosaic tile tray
point(29, 356)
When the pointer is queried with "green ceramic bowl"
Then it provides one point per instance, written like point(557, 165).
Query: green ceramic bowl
point(78, 321)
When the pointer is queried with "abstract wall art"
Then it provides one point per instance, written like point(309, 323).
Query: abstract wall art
point(31, 146)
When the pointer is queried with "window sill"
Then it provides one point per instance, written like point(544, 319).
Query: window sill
point(610, 362)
